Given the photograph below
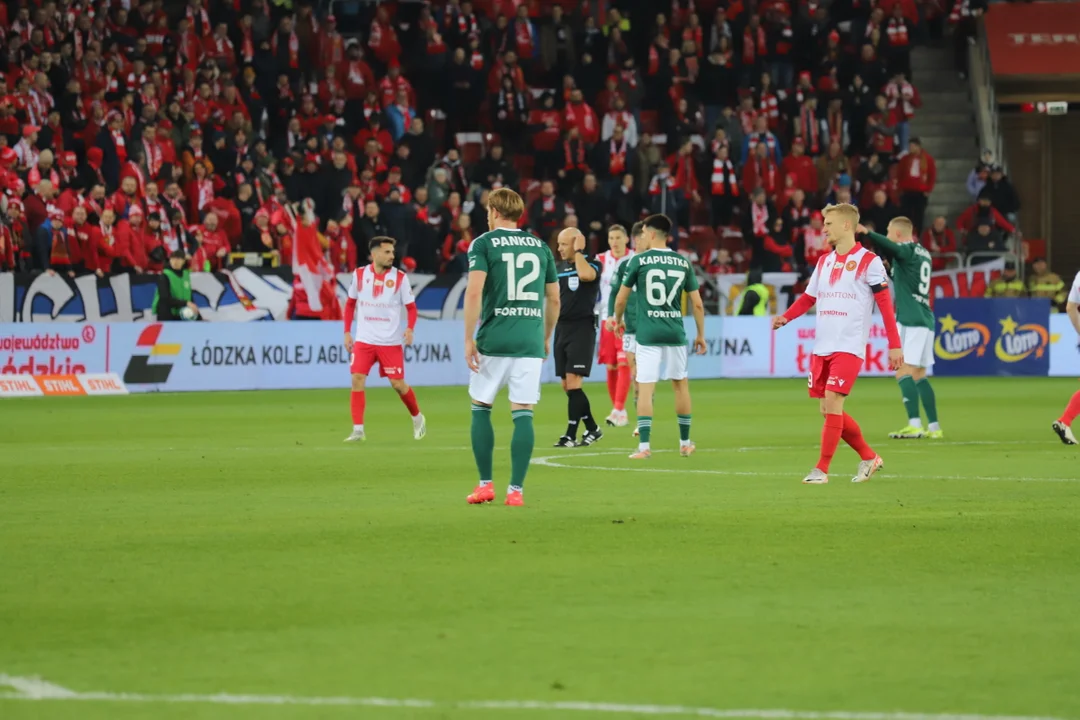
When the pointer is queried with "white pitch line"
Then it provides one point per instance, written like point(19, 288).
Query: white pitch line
point(36, 689)
point(552, 462)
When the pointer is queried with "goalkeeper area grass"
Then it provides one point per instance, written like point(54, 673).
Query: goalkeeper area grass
point(225, 555)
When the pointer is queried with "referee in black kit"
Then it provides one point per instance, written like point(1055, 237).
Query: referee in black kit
point(575, 334)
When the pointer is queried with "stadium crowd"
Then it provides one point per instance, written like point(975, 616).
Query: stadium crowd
point(126, 134)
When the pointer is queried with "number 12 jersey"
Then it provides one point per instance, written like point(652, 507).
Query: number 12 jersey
point(519, 267)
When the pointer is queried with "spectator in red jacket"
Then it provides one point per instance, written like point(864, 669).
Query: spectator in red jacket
point(583, 117)
point(87, 236)
point(801, 165)
point(214, 241)
point(917, 175)
point(939, 238)
point(983, 211)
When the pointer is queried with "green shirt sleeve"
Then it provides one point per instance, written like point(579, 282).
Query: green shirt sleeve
point(550, 275)
point(890, 249)
point(691, 279)
point(615, 286)
point(630, 276)
point(478, 255)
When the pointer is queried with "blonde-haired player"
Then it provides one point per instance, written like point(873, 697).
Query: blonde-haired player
point(513, 293)
point(845, 285)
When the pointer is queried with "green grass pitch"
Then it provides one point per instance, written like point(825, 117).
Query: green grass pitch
point(231, 543)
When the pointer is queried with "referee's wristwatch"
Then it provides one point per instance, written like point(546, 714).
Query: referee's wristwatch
point(579, 252)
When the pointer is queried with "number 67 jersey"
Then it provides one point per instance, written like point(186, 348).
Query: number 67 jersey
point(661, 276)
point(519, 267)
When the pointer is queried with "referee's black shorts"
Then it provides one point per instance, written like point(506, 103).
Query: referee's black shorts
point(575, 347)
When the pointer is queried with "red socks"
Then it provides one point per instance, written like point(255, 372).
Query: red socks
point(853, 436)
point(409, 399)
point(830, 438)
point(612, 385)
point(622, 387)
point(357, 401)
point(1071, 410)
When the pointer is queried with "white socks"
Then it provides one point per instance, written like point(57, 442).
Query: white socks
point(915, 422)
point(358, 428)
point(934, 427)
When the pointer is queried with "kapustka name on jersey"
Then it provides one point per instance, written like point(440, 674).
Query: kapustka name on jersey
point(666, 258)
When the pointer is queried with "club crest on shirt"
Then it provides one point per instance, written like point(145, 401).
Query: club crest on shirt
point(390, 284)
point(573, 282)
point(850, 265)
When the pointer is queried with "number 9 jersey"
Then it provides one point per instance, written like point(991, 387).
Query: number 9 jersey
point(519, 267)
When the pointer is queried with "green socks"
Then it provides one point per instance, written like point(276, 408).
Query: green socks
point(929, 402)
point(684, 428)
point(483, 440)
point(521, 447)
point(910, 394)
point(644, 426)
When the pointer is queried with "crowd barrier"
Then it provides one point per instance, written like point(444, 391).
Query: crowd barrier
point(248, 294)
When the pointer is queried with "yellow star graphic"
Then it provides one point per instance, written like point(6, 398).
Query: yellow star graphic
point(1008, 325)
point(948, 324)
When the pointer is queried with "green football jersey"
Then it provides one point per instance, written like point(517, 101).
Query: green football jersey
point(911, 267)
point(518, 267)
point(661, 276)
point(630, 316)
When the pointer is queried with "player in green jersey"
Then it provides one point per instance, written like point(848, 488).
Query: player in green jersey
point(629, 343)
point(513, 293)
point(911, 267)
point(661, 276)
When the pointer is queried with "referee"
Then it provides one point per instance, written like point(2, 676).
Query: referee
point(575, 334)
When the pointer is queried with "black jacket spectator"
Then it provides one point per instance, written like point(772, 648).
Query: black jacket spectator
point(590, 206)
point(494, 170)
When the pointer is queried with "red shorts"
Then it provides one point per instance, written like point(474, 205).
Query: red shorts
point(611, 349)
point(391, 359)
point(836, 372)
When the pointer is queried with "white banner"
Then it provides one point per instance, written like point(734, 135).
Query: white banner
point(969, 282)
point(1064, 353)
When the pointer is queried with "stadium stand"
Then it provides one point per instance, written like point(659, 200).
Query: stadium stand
point(740, 121)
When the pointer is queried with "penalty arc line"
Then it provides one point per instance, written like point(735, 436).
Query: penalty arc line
point(36, 689)
point(552, 462)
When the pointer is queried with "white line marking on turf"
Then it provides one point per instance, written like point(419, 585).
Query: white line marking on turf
point(33, 688)
point(552, 461)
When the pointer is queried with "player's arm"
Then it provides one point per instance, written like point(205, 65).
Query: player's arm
point(350, 312)
point(883, 244)
point(411, 314)
point(474, 295)
point(552, 302)
point(879, 285)
point(799, 308)
point(616, 285)
point(1072, 309)
point(698, 308)
point(626, 286)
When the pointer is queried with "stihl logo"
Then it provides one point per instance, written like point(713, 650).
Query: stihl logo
point(11, 387)
point(62, 386)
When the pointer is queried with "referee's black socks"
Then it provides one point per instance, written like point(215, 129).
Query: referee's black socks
point(578, 410)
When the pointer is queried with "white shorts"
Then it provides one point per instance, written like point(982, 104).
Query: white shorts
point(918, 346)
point(629, 342)
point(651, 357)
point(520, 374)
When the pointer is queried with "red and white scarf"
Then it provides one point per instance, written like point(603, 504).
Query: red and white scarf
point(810, 130)
point(759, 216)
point(121, 144)
point(247, 44)
point(193, 20)
point(152, 152)
point(617, 155)
point(205, 188)
point(724, 179)
point(754, 45)
point(294, 48)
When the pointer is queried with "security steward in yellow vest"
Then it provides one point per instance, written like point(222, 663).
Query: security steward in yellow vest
point(1044, 284)
point(1008, 285)
point(755, 296)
